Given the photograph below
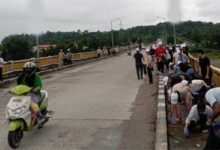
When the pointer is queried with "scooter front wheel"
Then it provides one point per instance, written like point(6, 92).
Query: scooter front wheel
point(14, 138)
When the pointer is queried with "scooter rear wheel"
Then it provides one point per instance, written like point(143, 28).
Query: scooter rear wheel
point(14, 138)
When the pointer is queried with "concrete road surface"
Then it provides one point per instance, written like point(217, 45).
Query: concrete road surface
point(99, 106)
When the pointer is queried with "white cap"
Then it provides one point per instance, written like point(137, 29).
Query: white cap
point(184, 82)
point(147, 50)
point(174, 98)
point(177, 50)
point(137, 49)
point(160, 43)
point(165, 80)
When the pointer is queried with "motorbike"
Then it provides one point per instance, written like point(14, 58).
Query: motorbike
point(19, 115)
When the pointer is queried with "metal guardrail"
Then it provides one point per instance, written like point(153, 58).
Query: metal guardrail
point(15, 66)
point(215, 71)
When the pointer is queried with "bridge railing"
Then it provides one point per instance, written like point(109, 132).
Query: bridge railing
point(215, 71)
point(12, 67)
point(16, 66)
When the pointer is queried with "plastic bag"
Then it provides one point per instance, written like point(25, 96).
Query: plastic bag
point(20, 89)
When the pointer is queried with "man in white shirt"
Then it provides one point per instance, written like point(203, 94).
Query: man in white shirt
point(199, 114)
point(213, 98)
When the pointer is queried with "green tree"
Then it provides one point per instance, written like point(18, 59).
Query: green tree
point(15, 48)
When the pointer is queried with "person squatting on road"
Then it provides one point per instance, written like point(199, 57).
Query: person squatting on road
point(30, 78)
point(180, 96)
point(139, 63)
point(200, 114)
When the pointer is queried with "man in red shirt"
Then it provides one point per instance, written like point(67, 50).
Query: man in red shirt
point(160, 55)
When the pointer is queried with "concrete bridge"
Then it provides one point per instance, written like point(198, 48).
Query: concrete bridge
point(98, 106)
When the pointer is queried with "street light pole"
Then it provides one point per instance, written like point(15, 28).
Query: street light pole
point(112, 36)
point(174, 33)
point(37, 43)
point(165, 30)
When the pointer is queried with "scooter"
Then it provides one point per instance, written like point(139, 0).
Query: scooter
point(19, 116)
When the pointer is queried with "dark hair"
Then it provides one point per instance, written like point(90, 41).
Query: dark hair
point(201, 106)
point(200, 51)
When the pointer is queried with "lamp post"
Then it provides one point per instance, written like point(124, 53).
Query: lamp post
point(37, 43)
point(165, 30)
point(112, 36)
point(174, 33)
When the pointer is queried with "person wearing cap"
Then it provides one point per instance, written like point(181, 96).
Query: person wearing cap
point(183, 95)
point(176, 56)
point(199, 114)
point(183, 57)
point(160, 55)
point(69, 56)
point(149, 65)
point(213, 98)
point(139, 59)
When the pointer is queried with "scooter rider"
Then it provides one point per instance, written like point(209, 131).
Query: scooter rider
point(30, 78)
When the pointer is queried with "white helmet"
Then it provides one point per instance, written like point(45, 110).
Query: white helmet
point(174, 98)
point(29, 68)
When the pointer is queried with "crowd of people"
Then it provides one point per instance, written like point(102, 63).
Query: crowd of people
point(65, 58)
point(194, 102)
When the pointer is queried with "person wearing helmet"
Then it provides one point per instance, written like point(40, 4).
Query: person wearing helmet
point(149, 65)
point(30, 78)
point(199, 114)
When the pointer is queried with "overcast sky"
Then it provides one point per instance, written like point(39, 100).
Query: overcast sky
point(34, 16)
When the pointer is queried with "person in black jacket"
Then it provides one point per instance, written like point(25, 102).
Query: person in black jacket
point(139, 59)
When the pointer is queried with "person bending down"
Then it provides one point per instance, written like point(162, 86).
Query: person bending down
point(199, 114)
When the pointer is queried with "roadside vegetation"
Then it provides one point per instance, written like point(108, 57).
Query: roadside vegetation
point(196, 34)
